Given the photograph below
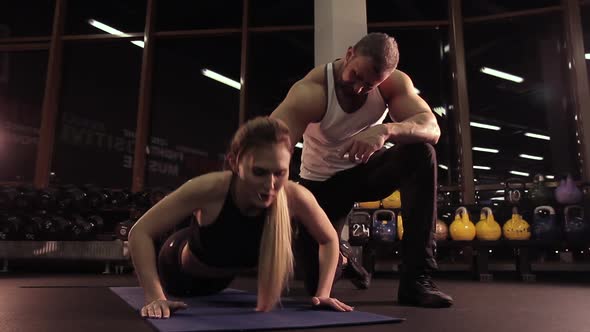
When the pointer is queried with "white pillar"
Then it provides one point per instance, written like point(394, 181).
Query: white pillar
point(338, 25)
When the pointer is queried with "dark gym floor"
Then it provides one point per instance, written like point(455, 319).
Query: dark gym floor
point(68, 301)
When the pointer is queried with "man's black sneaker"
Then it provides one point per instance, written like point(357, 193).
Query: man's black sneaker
point(354, 269)
point(421, 291)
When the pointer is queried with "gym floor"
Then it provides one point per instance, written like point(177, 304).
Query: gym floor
point(74, 301)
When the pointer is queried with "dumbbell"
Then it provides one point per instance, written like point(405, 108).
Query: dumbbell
point(9, 227)
point(85, 228)
point(157, 194)
point(32, 227)
point(120, 198)
point(71, 198)
point(122, 229)
point(80, 228)
point(7, 196)
point(149, 198)
point(46, 199)
point(97, 222)
point(141, 199)
point(63, 227)
point(25, 198)
point(95, 196)
point(48, 227)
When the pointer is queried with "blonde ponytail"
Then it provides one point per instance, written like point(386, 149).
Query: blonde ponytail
point(275, 264)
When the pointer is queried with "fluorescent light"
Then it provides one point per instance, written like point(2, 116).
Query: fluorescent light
point(519, 173)
point(550, 177)
point(112, 31)
point(443, 166)
point(299, 145)
point(138, 43)
point(484, 126)
point(388, 145)
point(587, 56)
point(417, 91)
point(106, 28)
point(477, 148)
point(221, 78)
point(497, 198)
point(528, 156)
point(441, 111)
point(501, 191)
point(446, 48)
point(533, 135)
point(487, 168)
point(501, 74)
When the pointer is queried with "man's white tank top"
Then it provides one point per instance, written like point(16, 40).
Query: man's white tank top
point(322, 140)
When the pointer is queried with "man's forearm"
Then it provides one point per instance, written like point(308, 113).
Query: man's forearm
point(417, 129)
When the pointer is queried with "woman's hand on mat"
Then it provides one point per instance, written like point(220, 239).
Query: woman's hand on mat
point(331, 302)
point(162, 308)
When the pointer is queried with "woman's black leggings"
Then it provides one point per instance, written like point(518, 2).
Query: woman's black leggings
point(174, 280)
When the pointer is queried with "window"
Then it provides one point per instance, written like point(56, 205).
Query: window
point(94, 142)
point(22, 85)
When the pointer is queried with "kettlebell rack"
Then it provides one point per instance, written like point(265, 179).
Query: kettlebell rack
point(477, 257)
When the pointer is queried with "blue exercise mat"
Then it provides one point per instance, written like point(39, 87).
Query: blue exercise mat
point(233, 310)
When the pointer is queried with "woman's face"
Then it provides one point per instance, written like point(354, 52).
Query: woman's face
point(263, 171)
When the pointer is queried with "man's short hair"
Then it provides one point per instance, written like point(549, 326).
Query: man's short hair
point(381, 48)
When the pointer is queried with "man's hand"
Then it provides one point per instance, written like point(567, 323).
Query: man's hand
point(362, 146)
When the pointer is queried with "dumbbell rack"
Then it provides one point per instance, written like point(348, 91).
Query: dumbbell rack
point(114, 252)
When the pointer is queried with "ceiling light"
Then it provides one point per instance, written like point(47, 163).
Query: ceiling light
point(443, 166)
point(519, 173)
point(299, 145)
point(528, 156)
point(441, 111)
point(221, 78)
point(477, 148)
point(487, 168)
point(112, 31)
point(484, 126)
point(501, 74)
point(533, 135)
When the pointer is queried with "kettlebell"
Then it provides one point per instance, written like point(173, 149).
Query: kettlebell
point(462, 229)
point(369, 205)
point(383, 226)
point(567, 193)
point(516, 228)
point(576, 229)
point(400, 226)
point(359, 228)
point(441, 232)
point(539, 193)
point(392, 201)
point(544, 225)
point(514, 190)
point(487, 229)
